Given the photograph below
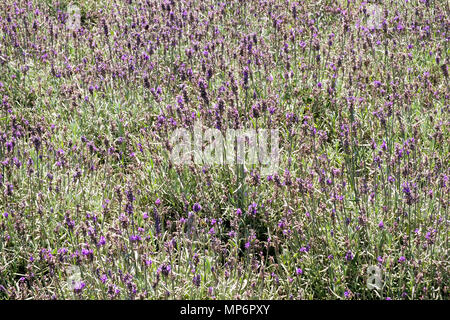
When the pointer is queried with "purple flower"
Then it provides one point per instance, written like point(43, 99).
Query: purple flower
point(196, 280)
point(349, 256)
point(165, 269)
point(197, 207)
point(252, 209)
point(9, 189)
point(245, 77)
point(304, 249)
point(406, 188)
point(102, 241)
point(135, 238)
point(78, 287)
point(87, 252)
point(157, 221)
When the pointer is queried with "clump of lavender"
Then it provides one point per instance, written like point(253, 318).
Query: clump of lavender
point(358, 95)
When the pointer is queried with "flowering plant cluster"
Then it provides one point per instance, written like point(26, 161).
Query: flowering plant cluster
point(352, 96)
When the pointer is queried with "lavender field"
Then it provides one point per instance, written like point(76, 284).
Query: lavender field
point(93, 204)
